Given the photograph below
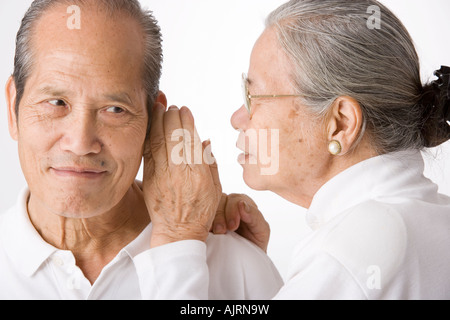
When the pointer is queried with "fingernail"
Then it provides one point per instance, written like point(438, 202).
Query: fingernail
point(231, 224)
point(246, 207)
point(219, 228)
point(158, 105)
point(173, 108)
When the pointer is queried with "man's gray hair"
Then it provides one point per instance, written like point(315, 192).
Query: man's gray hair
point(23, 61)
point(335, 53)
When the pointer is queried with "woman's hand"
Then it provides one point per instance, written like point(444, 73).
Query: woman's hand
point(239, 213)
point(181, 183)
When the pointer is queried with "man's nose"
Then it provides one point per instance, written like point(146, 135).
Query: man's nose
point(240, 118)
point(80, 135)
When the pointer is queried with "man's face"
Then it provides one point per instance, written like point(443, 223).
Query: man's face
point(83, 118)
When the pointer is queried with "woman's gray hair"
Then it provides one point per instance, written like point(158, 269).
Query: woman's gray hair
point(23, 61)
point(335, 53)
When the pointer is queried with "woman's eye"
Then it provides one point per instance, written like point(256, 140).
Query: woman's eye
point(57, 103)
point(116, 110)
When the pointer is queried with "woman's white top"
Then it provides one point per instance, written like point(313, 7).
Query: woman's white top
point(380, 229)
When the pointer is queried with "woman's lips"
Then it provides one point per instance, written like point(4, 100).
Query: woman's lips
point(246, 158)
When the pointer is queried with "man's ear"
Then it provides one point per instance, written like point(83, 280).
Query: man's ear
point(161, 98)
point(345, 122)
point(11, 94)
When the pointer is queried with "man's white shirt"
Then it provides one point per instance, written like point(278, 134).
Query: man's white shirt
point(30, 268)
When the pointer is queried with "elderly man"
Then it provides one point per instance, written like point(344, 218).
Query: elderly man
point(79, 104)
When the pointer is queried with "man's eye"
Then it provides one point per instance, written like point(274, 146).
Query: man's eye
point(116, 110)
point(57, 103)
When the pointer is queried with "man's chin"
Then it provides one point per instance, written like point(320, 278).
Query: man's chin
point(77, 205)
point(75, 212)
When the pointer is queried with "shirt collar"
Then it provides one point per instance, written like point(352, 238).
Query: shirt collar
point(22, 242)
point(29, 251)
point(388, 176)
point(140, 244)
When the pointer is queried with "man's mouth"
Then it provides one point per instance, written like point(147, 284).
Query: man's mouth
point(78, 172)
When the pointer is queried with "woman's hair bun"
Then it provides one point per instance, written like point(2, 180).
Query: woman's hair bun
point(436, 102)
point(442, 87)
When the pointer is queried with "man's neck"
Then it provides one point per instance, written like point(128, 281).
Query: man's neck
point(95, 241)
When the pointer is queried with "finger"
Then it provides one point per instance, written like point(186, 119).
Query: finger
point(156, 140)
point(192, 142)
point(208, 157)
point(252, 217)
point(232, 212)
point(214, 169)
point(174, 135)
point(253, 225)
point(149, 168)
point(219, 223)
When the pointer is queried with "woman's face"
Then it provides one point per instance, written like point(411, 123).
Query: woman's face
point(285, 148)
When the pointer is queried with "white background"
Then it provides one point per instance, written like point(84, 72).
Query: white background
point(207, 45)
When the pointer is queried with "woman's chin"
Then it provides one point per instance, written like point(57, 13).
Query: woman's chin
point(254, 180)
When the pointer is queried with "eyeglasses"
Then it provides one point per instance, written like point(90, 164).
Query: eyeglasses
point(248, 97)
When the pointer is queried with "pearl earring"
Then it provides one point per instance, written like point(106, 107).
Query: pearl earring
point(334, 147)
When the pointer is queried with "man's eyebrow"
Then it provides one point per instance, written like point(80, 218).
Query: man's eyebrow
point(52, 91)
point(121, 97)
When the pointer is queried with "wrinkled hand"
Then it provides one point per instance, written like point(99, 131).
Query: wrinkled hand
point(239, 213)
point(181, 188)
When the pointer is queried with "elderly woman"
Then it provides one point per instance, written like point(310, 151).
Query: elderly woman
point(353, 116)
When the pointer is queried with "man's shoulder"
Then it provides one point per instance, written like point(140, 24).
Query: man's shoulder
point(232, 250)
point(242, 267)
point(233, 244)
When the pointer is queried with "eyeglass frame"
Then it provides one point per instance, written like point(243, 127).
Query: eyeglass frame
point(248, 97)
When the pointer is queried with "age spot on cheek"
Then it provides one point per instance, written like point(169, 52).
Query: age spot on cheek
point(293, 114)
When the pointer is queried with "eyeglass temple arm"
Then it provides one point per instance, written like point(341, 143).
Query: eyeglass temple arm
point(272, 96)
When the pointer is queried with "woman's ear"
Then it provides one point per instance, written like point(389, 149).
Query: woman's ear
point(345, 122)
point(11, 94)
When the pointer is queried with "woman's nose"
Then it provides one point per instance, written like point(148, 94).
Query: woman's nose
point(240, 118)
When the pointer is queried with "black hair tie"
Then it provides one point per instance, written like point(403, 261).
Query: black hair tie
point(441, 88)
